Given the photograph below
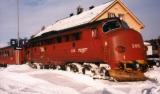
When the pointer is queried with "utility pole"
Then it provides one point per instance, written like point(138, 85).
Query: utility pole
point(18, 50)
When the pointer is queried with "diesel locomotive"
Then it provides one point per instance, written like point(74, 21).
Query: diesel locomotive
point(105, 48)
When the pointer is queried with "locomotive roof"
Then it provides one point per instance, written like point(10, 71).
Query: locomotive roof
point(5, 47)
point(76, 20)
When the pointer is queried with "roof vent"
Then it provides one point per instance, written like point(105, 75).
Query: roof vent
point(79, 9)
point(43, 27)
point(70, 15)
point(91, 7)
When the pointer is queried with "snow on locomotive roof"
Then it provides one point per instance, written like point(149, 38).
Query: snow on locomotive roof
point(76, 20)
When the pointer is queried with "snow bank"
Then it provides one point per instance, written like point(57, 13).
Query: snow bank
point(1, 69)
point(154, 74)
point(21, 79)
point(82, 83)
point(14, 83)
point(18, 68)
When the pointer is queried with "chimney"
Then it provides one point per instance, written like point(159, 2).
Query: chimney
point(43, 27)
point(70, 15)
point(79, 10)
point(91, 7)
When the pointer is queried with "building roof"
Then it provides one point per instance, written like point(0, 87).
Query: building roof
point(85, 17)
point(76, 20)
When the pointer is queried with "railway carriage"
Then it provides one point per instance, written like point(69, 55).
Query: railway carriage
point(9, 55)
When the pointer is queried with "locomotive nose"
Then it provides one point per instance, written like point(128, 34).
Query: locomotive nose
point(125, 45)
point(126, 55)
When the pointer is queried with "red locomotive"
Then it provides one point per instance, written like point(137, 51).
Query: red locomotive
point(105, 48)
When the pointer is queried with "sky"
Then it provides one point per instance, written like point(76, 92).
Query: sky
point(37, 13)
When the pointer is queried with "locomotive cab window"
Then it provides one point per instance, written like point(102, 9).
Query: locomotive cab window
point(111, 25)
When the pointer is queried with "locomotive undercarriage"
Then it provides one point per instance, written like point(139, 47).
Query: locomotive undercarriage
point(125, 72)
point(129, 71)
point(3, 65)
point(97, 71)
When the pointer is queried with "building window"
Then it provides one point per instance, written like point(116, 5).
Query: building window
point(121, 16)
point(111, 15)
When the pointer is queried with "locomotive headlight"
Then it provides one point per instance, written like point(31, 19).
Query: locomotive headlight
point(121, 49)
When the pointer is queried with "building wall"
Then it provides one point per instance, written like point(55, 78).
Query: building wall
point(117, 9)
point(149, 48)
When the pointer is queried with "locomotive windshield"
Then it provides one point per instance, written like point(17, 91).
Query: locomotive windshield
point(113, 24)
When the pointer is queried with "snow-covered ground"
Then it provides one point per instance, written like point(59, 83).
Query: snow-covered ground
point(21, 79)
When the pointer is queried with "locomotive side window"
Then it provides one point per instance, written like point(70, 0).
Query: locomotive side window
point(53, 40)
point(111, 25)
point(58, 39)
point(66, 38)
point(76, 36)
point(48, 41)
point(7, 53)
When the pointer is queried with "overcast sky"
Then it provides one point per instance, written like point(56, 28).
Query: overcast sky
point(36, 13)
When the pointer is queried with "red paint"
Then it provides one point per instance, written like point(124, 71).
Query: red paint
point(8, 56)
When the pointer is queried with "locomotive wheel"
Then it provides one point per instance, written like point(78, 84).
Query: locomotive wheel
point(104, 73)
point(37, 65)
point(72, 68)
point(52, 66)
point(58, 67)
point(46, 66)
point(86, 69)
point(32, 65)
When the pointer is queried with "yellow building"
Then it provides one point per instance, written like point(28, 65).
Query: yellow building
point(120, 10)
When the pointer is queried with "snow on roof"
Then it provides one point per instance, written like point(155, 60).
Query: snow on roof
point(147, 43)
point(76, 20)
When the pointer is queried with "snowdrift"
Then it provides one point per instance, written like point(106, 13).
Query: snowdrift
point(21, 79)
